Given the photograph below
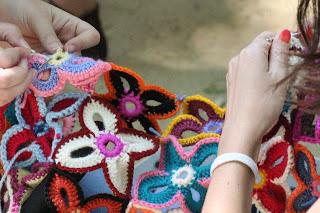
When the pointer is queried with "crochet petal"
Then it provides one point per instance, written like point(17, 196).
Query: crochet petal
point(156, 188)
point(186, 124)
point(170, 158)
point(79, 153)
point(63, 193)
point(164, 103)
point(302, 201)
point(112, 204)
point(34, 110)
point(146, 123)
point(194, 197)
point(193, 104)
point(117, 174)
point(94, 107)
point(65, 105)
point(116, 78)
point(138, 143)
point(276, 158)
point(12, 141)
point(272, 198)
point(52, 85)
point(204, 152)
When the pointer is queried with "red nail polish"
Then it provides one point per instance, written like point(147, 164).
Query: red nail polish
point(285, 36)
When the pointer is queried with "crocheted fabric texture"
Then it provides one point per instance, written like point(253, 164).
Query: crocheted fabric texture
point(306, 127)
point(305, 173)
point(270, 192)
point(63, 194)
point(38, 127)
point(181, 174)
point(63, 67)
point(111, 146)
point(20, 183)
point(137, 102)
point(201, 116)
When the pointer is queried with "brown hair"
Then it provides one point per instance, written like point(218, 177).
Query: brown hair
point(308, 73)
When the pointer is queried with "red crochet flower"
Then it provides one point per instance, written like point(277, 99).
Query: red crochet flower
point(270, 192)
point(65, 195)
point(137, 101)
point(108, 146)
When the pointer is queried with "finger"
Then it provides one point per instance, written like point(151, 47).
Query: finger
point(43, 28)
point(12, 56)
point(86, 36)
point(279, 55)
point(11, 34)
point(261, 43)
point(14, 76)
point(9, 94)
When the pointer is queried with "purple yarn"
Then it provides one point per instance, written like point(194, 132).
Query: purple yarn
point(106, 138)
point(130, 113)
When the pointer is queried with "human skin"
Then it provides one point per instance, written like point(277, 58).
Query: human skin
point(45, 30)
point(252, 88)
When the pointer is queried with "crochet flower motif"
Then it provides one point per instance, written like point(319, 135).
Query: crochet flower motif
point(206, 124)
point(110, 146)
point(181, 174)
point(306, 127)
point(137, 102)
point(38, 127)
point(72, 199)
point(308, 181)
point(63, 67)
point(270, 192)
point(20, 183)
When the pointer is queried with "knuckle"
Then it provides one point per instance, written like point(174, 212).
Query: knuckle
point(95, 36)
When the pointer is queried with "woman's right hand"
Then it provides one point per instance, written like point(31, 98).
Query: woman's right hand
point(255, 97)
point(15, 77)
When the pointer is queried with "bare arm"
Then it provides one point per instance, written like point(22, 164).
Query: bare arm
point(254, 103)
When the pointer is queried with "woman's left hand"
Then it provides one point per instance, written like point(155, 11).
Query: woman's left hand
point(47, 28)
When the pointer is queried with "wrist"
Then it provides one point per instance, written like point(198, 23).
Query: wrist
point(241, 138)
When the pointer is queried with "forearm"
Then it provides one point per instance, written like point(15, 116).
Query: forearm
point(231, 186)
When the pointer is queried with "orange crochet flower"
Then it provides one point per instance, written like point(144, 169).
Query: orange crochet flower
point(308, 181)
point(136, 101)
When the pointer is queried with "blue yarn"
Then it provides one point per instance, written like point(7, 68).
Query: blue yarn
point(51, 82)
point(213, 127)
point(160, 189)
point(69, 66)
point(49, 122)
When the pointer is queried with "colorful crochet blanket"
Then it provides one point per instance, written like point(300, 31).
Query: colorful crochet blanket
point(51, 140)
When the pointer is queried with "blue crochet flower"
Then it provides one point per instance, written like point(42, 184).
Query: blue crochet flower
point(183, 177)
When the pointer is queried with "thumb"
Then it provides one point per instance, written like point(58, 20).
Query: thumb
point(11, 34)
point(43, 29)
point(279, 55)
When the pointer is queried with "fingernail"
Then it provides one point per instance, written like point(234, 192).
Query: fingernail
point(23, 43)
point(70, 48)
point(285, 36)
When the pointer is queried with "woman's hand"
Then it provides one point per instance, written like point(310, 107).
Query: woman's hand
point(47, 28)
point(255, 96)
point(255, 100)
point(15, 77)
